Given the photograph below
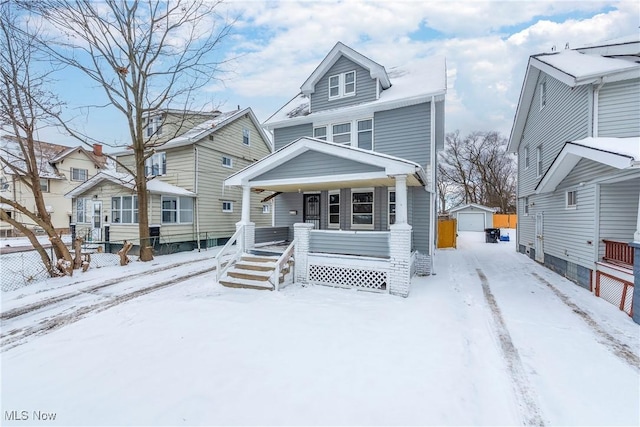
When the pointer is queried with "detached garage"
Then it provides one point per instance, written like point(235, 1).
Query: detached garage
point(473, 217)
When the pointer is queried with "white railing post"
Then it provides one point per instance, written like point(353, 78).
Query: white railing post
point(302, 236)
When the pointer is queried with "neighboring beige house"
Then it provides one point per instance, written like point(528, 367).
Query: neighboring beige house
point(61, 169)
point(185, 174)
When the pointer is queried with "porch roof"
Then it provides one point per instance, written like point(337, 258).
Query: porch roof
point(620, 153)
point(154, 186)
point(334, 166)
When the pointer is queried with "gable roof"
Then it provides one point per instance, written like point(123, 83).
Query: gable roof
point(47, 153)
point(411, 84)
point(376, 71)
point(576, 68)
point(208, 127)
point(154, 186)
point(384, 166)
point(473, 205)
point(619, 153)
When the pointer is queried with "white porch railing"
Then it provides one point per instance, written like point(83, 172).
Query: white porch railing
point(282, 261)
point(230, 253)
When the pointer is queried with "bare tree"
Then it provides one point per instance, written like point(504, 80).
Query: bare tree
point(147, 55)
point(25, 102)
point(479, 169)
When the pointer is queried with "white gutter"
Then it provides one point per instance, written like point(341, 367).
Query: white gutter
point(432, 200)
point(195, 200)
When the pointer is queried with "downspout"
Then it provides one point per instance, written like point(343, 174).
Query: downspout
point(196, 203)
point(432, 201)
point(596, 94)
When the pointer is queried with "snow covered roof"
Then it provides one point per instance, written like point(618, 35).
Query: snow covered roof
point(154, 186)
point(410, 84)
point(473, 205)
point(616, 60)
point(620, 153)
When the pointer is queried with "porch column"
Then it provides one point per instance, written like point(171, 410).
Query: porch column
point(636, 269)
point(401, 199)
point(399, 258)
point(245, 220)
point(302, 235)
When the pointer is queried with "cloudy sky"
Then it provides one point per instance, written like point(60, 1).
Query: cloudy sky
point(277, 44)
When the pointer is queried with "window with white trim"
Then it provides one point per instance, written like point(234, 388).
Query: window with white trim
point(342, 85)
point(392, 207)
point(572, 199)
point(320, 133)
point(156, 165)
point(227, 162)
point(334, 209)
point(124, 209)
point(526, 157)
point(227, 206)
point(177, 210)
point(362, 208)
point(341, 133)
point(79, 174)
point(44, 185)
point(266, 208)
point(526, 205)
point(154, 126)
point(246, 136)
point(365, 134)
point(543, 94)
point(81, 205)
point(539, 161)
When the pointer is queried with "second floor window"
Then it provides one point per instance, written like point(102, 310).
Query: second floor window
point(124, 209)
point(543, 94)
point(365, 134)
point(320, 133)
point(526, 206)
point(154, 127)
point(572, 199)
point(79, 174)
point(341, 85)
point(44, 185)
point(156, 165)
point(246, 136)
point(526, 158)
point(227, 162)
point(342, 133)
point(539, 161)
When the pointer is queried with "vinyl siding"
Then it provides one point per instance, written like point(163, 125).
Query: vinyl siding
point(564, 118)
point(619, 109)
point(286, 135)
point(180, 166)
point(364, 243)
point(284, 203)
point(365, 87)
point(404, 132)
point(618, 211)
point(440, 125)
point(311, 163)
point(419, 215)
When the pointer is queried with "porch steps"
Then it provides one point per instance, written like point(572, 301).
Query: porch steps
point(253, 272)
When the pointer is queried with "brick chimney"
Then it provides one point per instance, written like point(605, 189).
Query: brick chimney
point(97, 149)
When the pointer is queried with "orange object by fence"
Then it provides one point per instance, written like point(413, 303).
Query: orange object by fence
point(505, 220)
point(447, 233)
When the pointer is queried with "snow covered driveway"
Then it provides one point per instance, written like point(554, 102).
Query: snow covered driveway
point(493, 338)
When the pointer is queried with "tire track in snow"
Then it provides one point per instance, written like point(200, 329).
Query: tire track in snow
point(524, 393)
point(21, 336)
point(618, 348)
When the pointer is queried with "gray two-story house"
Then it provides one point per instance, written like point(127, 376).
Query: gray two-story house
point(352, 177)
point(577, 136)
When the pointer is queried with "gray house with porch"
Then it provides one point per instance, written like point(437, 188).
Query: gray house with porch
point(577, 136)
point(352, 175)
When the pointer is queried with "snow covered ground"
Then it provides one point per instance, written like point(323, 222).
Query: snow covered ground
point(491, 339)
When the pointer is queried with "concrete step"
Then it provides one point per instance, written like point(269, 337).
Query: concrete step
point(256, 275)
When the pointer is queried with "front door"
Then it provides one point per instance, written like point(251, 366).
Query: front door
point(539, 246)
point(96, 221)
point(311, 210)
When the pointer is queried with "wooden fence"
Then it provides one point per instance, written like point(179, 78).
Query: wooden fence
point(447, 233)
point(505, 220)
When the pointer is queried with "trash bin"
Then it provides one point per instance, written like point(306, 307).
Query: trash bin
point(491, 235)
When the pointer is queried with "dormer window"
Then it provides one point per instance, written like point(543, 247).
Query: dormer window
point(543, 94)
point(342, 85)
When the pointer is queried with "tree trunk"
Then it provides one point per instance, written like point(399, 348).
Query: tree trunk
point(124, 259)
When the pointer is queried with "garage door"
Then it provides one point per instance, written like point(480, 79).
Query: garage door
point(471, 221)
